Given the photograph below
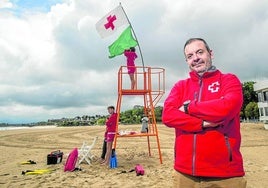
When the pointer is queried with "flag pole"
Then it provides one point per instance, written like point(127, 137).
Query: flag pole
point(134, 36)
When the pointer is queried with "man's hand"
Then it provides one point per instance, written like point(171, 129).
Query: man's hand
point(206, 124)
point(182, 108)
point(209, 124)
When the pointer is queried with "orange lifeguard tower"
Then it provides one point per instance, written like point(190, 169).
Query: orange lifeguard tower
point(150, 84)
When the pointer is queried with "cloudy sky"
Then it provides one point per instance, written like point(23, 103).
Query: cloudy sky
point(54, 64)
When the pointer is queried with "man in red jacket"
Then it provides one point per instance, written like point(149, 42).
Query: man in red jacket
point(204, 109)
point(109, 134)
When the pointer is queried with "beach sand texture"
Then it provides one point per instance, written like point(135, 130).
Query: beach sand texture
point(34, 144)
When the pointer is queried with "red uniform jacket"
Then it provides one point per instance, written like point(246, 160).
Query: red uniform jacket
point(208, 152)
point(131, 56)
point(111, 123)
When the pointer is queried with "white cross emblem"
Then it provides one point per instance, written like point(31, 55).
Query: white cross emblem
point(214, 87)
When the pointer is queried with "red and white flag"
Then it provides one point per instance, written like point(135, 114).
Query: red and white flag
point(111, 21)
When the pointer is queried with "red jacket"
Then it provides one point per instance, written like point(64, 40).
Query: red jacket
point(111, 123)
point(208, 152)
point(131, 56)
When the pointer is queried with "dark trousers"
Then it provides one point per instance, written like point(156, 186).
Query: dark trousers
point(104, 148)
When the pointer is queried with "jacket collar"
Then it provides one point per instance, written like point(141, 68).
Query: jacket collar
point(210, 72)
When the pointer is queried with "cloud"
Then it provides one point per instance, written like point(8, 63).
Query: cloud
point(54, 64)
point(5, 4)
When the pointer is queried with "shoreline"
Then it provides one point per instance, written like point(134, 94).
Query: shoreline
point(8, 128)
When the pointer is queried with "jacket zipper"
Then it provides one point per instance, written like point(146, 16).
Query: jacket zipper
point(228, 147)
point(194, 153)
point(200, 89)
point(194, 141)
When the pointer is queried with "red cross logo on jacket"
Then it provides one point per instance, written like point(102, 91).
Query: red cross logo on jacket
point(214, 87)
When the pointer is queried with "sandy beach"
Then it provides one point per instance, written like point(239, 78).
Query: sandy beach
point(34, 144)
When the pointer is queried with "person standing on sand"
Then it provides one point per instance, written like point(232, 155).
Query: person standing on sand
point(204, 110)
point(144, 121)
point(131, 56)
point(110, 134)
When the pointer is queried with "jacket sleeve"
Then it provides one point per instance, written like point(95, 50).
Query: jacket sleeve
point(173, 117)
point(223, 109)
point(112, 120)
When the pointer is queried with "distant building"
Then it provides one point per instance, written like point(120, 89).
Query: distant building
point(261, 87)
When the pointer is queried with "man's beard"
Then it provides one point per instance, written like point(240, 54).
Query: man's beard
point(207, 66)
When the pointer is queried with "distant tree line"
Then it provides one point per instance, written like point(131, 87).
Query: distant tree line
point(131, 116)
point(134, 116)
point(250, 108)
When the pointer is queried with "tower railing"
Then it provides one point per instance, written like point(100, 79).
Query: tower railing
point(148, 79)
